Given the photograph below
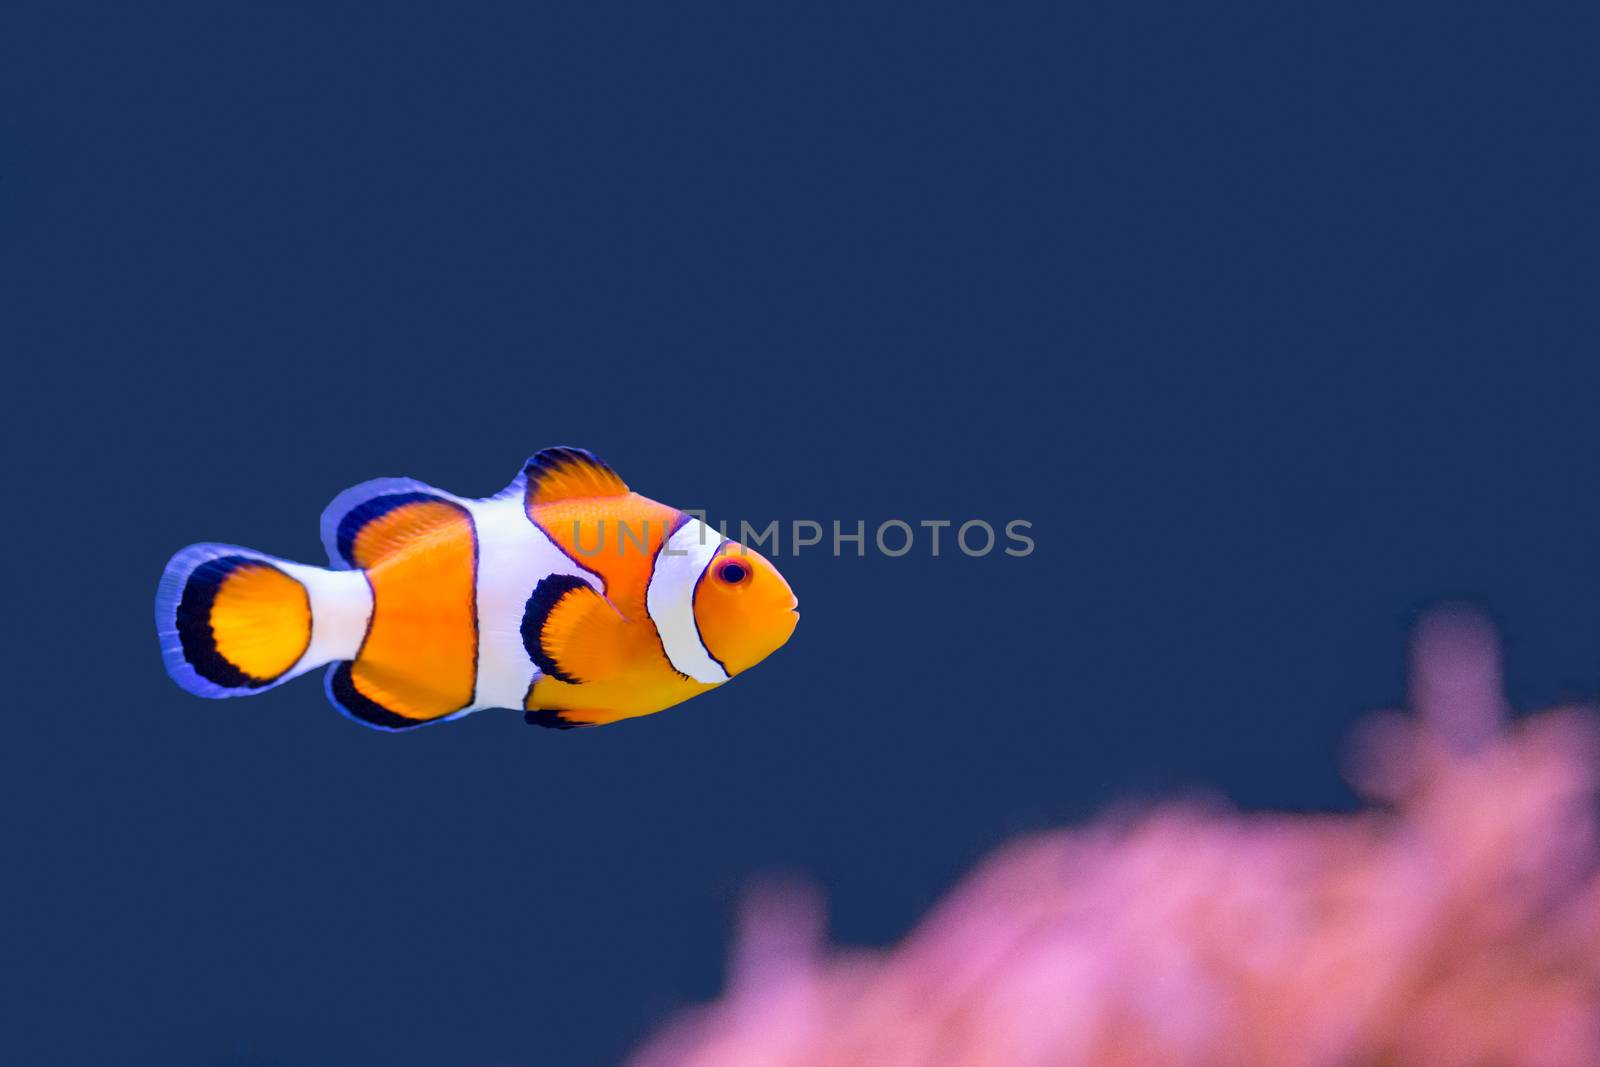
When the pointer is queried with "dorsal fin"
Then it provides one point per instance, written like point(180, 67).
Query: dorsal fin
point(375, 519)
point(568, 474)
point(369, 521)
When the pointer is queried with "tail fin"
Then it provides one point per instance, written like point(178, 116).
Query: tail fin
point(233, 622)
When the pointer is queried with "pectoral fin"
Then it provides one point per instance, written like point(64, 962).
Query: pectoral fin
point(572, 633)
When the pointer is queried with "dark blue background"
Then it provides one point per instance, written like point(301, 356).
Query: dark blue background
point(1278, 326)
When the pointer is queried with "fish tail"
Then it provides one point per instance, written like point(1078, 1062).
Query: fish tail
point(233, 621)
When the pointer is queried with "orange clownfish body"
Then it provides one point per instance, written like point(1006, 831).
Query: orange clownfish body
point(566, 596)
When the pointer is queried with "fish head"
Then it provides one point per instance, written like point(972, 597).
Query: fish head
point(744, 609)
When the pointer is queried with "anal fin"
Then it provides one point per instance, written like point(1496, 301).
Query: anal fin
point(364, 704)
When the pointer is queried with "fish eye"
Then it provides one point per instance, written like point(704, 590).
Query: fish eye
point(733, 572)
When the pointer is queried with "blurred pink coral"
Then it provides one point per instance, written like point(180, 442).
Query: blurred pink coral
point(1454, 923)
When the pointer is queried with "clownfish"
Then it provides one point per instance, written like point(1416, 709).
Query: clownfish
point(565, 596)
